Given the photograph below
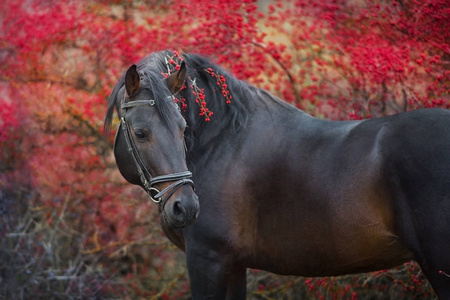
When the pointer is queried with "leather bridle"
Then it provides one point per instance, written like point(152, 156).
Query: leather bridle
point(179, 179)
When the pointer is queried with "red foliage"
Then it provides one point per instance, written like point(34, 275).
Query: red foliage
point(365, 59)
point(9, 120)
point(59, 60)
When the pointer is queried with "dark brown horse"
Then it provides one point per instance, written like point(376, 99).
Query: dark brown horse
point(280, 190)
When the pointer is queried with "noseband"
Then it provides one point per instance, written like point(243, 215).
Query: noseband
point(179, 179)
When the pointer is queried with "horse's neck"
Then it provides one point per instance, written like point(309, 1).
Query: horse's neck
point(280, 111)
point(264, 110)
point(296, 125)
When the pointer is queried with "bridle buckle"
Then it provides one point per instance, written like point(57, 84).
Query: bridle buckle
point(153, 192)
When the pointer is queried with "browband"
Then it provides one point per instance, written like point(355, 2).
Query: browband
point(138, 103)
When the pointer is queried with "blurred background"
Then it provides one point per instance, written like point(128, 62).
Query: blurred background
point(72, 228)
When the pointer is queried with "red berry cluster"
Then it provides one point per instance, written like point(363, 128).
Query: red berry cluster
point(173, 65)
point(200, 100)
point(221, 82)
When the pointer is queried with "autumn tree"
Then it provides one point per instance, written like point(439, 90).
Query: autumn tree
point(337, 59)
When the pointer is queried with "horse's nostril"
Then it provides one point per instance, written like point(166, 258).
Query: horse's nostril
point(178, 209)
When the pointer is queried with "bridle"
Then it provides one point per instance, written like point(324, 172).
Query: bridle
point(179, 179)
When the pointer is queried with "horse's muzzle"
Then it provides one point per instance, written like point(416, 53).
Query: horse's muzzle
point(182, 208)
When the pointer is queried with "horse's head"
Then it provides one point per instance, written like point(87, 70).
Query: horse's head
point(149, 145)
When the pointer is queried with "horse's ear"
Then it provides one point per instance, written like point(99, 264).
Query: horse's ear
point(176, 80)
point(132, 81)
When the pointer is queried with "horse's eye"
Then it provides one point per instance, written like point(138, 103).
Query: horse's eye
point(139, 134)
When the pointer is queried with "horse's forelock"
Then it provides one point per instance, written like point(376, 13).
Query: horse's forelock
point(155, 82)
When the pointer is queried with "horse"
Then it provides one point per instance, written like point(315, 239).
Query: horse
point(275, 188)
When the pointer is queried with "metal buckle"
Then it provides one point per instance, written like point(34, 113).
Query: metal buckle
point(159, 199)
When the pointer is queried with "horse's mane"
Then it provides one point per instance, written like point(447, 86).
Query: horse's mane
point(226, 116)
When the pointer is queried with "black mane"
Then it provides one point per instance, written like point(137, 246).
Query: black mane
point(226, 116)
